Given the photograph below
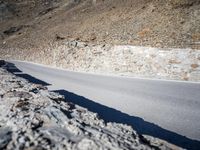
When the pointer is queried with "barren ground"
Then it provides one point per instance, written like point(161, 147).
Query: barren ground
point(42, 31)
point(159, 23)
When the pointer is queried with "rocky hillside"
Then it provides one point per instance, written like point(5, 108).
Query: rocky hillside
point(40, 30)
point(160, 23)
point(33, 118)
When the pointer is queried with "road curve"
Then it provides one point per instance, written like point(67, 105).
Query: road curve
point(172, 105)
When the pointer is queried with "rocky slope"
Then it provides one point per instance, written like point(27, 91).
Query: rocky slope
point(33, 118)
point(155, 23)
point(126, 60)
point(89, 35)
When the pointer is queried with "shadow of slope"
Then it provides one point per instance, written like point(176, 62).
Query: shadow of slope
point(10, 67)
point(138, 124)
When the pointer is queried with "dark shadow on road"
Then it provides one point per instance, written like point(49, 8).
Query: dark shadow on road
point(10, 67)
point(112, 115)
point(138, 124)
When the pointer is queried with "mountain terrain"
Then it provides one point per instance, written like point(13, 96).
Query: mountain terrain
point(105, 36)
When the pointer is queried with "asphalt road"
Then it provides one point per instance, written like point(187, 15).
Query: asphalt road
point(173, 105)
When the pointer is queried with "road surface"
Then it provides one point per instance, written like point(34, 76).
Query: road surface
point(172, 105)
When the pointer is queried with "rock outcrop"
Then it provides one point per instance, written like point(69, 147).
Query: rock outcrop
point(124, 60)
point(31, 117)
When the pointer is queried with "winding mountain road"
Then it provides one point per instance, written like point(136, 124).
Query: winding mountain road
point(173, 105)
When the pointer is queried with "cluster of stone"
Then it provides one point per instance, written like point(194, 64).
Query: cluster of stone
point(31, 117)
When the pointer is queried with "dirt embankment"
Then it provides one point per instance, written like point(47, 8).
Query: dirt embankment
point(125, 60)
